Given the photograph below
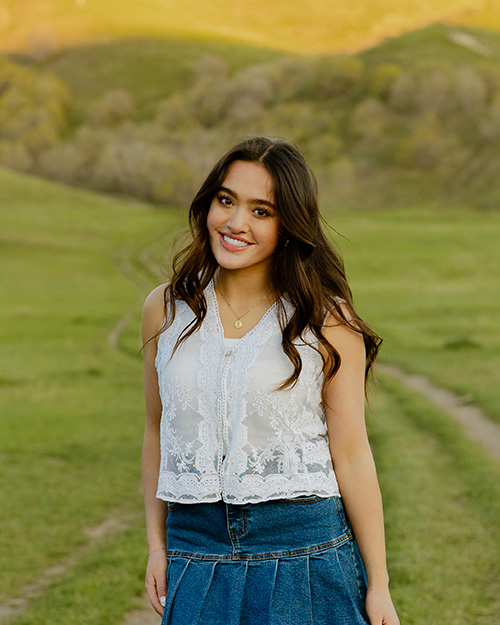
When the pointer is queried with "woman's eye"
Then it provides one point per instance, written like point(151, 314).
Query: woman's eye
point(226, 201)
point(262, 212)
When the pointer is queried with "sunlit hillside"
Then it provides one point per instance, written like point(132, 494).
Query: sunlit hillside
point(312, 27)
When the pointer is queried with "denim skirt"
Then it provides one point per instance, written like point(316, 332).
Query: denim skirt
point(279, 562)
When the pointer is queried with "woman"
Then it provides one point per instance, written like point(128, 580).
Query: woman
point(255, 449)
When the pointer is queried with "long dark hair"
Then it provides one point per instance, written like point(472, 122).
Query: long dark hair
point(305, 267)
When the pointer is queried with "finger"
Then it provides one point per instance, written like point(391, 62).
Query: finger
point(154, 598)
point(161, 590)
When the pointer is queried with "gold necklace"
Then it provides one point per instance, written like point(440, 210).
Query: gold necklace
point(239, 323)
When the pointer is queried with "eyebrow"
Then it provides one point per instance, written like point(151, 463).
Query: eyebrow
point(253, 201)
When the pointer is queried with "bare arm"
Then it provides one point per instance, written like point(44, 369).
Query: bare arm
point(355, 468)
point(156, 509)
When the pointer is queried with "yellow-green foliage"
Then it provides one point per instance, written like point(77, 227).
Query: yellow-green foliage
point(34, 110)
point(418, 127)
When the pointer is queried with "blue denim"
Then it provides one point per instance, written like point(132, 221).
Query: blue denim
point(279, 562)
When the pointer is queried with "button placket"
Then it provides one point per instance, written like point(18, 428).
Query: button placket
point(223, 409)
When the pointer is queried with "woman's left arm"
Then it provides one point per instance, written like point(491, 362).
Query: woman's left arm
point(355, 468)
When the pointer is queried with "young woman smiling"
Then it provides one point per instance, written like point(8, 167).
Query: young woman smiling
point(262, 501)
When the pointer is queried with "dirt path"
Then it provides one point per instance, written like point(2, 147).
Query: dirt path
point(143, 615)
point(116, 522)
point(475, 423)
point(469, 41)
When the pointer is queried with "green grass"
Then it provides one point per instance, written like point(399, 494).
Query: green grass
point(442, 511)
point(72, 407)
point(426, 278)
point(432, 44)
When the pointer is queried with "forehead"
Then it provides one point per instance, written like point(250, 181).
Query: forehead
point(250, 180)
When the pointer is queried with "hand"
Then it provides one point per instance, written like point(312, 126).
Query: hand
point(156, 579)
point(379, 607)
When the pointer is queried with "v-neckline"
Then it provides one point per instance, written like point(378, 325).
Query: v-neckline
point(219, 320)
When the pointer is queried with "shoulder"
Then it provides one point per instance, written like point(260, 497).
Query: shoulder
point(153, 312)
point(343, 334)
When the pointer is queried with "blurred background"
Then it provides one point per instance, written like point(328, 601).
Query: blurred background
point(111, 112)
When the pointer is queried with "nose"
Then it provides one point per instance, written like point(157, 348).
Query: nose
point(237, 221)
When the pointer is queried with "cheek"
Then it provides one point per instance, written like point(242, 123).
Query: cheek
point(272, 235)
point(212, 220)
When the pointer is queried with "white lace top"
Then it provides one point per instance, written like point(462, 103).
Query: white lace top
point(226, 433)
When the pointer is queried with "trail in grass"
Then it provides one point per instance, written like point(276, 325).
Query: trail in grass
point(475, 423)
point(115, 523)
point(139, 269)
point(143, 615)
point(467, 40)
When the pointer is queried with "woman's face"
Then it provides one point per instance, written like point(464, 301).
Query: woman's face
point(242, 220)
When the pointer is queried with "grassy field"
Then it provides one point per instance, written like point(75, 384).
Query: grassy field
point(71, 406)
point(75, 263)
point(299, 26)
point(427, 278)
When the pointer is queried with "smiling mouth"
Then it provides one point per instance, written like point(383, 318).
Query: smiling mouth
point(234, 242)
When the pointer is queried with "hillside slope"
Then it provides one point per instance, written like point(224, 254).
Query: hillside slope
point(29, 25)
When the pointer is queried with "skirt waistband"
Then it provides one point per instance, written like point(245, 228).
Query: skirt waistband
point(271, 529)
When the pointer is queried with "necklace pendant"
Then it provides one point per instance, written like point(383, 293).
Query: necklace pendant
point(238, 324)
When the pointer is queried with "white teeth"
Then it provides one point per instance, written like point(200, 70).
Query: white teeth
point(235, 242)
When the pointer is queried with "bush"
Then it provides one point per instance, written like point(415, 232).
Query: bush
point(368, 120)
point(34, 108)
point(65, 162)
point(427, 89)
point(489, 126)
point(490, 75)
point(112, 109)
point(172, 115)
point(472, 92)
point(424, 149)
point(209, 68)
point(334, 76)
point(383, 80)
point(14, 154)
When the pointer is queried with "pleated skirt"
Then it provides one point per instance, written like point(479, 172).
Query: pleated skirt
point(279, 562)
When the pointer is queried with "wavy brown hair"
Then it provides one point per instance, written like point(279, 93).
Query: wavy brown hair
point(305, 267)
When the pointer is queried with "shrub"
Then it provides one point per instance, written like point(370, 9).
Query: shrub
point(34, 107)
point(112, 109)
point(172, 115)
point(209, 68)
point(427, 89)
point(334, 76)
point(424, 149)
point(402, 93)
point(489, 126)
point(368, 120)
point(383, 80)
point(14, 154)
point(65, 162)
point(472, 92)
point(490, 74)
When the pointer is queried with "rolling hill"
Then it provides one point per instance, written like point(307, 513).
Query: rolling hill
point(301, 26)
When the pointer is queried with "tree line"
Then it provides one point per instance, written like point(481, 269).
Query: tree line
point(436, 122)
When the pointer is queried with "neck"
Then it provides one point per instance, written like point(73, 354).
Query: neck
point(242, 285)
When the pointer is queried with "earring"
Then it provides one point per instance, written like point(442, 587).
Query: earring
point(287, 242)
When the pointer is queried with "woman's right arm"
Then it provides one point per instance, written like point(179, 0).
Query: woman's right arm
point(156, 509)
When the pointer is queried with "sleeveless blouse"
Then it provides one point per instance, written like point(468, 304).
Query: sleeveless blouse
point(226, 432)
